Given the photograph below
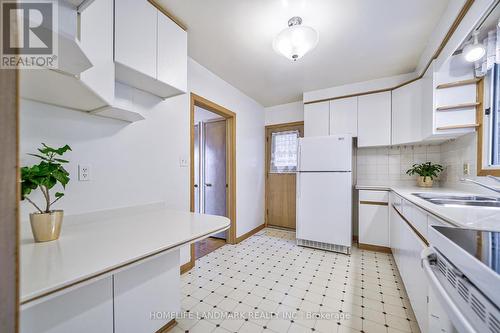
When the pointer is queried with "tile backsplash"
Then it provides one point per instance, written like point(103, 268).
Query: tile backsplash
point(388, 165)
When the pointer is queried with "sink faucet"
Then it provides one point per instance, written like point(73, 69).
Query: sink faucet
point(491, 188)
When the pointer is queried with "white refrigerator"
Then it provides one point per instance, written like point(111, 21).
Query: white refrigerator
point(324, 193)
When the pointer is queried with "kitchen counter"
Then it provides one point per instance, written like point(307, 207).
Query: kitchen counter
point(484, 218)
point(95, 244)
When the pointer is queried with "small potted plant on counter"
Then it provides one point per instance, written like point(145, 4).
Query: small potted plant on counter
point(426, 173)
point(45, 223)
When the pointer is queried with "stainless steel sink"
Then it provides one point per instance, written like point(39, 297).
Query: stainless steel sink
point(459, 200)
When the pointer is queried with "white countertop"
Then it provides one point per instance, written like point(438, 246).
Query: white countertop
point(484, 218)
point(97, 243)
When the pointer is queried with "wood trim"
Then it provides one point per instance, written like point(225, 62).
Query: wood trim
point(376, 248)
point(168, 14)
point(457, 106)
point(9, 204)
point(458, 83)
point(453, 27)
point(373, 203)
point(443, 128)
point(230, 116)
point(355, 238)
point(168, 326)
point(481, 170)
point(422, 238)
point(276, 126)
point(250, 233)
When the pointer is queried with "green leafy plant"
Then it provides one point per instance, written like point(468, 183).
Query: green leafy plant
point(45, 175)
point(425, 170)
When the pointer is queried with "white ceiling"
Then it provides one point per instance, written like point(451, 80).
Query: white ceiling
point(358, 40)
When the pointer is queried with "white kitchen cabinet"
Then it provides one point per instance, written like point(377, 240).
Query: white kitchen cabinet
point(373, 218)
point(136, 35)
point(374, 120)
point(172, 53)
point(407, 113)
point(144, 290)
point(317, 119)
point(82, 310)
point(344, 116)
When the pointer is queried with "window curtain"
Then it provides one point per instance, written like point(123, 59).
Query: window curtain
point(284, 147)
point(492, 56)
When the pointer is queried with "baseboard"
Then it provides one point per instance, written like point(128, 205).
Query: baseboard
point(187, 267)
point(250, 233)
point(376, 248)
point(168, 326)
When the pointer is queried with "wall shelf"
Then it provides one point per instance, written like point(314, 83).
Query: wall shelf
point(458, 83)
point(457, 106)
point(444, 128)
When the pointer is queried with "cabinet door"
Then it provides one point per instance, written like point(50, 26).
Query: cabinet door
point(317, 119)
point(136, 35)
point(144, 290)
point(407, 113)
point(172, 53)
point(86, 309)
point(374, 120)
point(373, 224)
point(344, 116)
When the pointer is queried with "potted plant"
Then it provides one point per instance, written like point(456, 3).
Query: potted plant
point(45, 223)
point(426, 173)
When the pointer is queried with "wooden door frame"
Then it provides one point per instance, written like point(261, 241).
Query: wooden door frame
point(9, 205)
point(196, 100)
point(266, 164)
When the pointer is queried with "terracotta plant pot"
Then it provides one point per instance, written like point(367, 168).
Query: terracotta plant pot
point(424, 181)
point(46, 226)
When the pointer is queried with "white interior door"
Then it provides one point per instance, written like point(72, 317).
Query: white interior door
point(324, 201)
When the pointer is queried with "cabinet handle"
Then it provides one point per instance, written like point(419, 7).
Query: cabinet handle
point(375, 203)
point(208, 185)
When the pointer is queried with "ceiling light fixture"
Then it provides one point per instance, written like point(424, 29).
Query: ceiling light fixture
point(296, 40)
point(474, 50)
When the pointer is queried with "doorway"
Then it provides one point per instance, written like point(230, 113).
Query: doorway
point(212, 169)
point(281, 166)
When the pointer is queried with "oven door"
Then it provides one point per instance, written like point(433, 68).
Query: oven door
point(440, 300)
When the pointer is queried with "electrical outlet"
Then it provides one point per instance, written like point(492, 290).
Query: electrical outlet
point(83, 172)
point(183, 162)
point(466, 169)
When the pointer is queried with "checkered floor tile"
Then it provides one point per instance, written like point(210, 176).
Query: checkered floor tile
point(269, 284)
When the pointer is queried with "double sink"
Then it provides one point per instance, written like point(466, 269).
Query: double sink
point(459, 200)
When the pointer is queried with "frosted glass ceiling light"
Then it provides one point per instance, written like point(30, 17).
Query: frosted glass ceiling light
point(474, 50)
point(296, 40)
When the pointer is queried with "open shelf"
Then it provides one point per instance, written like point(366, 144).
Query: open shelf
point(458, 83)
point(457, 106)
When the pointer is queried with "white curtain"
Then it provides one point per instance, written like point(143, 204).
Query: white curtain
point(284, 146)
point(492, 56)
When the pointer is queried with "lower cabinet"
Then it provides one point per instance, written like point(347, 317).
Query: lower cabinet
point(406, 248)
point(139, 298)
point(86, 309)
point(373, 218)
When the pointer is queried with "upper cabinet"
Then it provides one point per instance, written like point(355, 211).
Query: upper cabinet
point(344, 116)
point(407, 113)
point(374, 120)
point(150, 49)
point(317, 119)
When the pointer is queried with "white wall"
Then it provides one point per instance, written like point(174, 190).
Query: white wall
point(285, 113)
point(250, 119)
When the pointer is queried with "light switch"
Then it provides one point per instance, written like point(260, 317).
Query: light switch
point(83, 172)
point(183, 162)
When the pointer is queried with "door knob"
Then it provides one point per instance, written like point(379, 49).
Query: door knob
point(208, 184)
point(196, 185)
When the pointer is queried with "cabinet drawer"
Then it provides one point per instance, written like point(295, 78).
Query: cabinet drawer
point(366, 197)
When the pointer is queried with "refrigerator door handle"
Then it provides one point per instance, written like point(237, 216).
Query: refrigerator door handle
point(298, 185)
point(298, 156)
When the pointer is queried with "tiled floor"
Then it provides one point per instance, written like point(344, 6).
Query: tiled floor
point(269, 284)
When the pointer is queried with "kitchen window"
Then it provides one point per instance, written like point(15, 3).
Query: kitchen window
point(284, 148)
point(489, 131)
